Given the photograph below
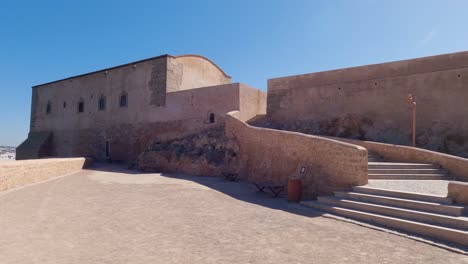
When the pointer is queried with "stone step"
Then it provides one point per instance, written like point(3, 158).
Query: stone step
point(433, 231)
point(373, 176)
point(431, 207)
point(394, 165)
point(404, 195)
point(407, 171)
point(412, 215)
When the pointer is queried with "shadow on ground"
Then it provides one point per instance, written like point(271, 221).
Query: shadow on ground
point(241, 190)
point(247, 192)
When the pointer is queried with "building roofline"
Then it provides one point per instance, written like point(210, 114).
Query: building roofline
point(103, 70)
point(205, 58)
point(131, 63)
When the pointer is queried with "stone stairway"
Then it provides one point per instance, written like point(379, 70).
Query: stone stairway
point(428, 215)
point(422, 214)
point(378, 168)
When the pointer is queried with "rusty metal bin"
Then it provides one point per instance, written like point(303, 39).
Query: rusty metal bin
point(294, 190)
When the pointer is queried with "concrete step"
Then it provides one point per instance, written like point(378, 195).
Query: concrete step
point(373, 176)
point(407, 171)
point(431, 207)
point(412, 215)
point(433, 231)
point(404, 195)
point(394, 165)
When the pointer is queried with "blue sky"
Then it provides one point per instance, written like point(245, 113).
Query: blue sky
point(252, 40)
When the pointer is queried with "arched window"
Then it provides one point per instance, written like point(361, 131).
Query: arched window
point(48, 108)
point(102, 103)
point(212, 118)
point(123, 99)
point(81, 106)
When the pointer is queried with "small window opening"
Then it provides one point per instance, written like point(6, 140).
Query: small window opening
point(81, 107)
point(64, 104)
point(102, 103)
point(212, 118)
point(48, 108)
point(123, 100)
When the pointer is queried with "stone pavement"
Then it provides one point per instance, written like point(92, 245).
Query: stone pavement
point(436, 187)
point(111, 215)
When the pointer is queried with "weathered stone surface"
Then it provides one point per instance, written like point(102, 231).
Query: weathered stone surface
point(268, 155)
point(157, 83)
point(18, 173)
point(458, 191)
point(370, 102)
point(162, 103)
point(206, 153)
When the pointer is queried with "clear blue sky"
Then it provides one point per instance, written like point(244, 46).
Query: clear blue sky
point(252, 40)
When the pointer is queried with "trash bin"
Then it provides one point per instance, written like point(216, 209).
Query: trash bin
point(294, 190)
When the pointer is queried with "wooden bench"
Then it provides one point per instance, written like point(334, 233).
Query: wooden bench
point(231, 176)
point(275, 189)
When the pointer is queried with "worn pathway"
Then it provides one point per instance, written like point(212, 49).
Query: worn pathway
point(109, 215)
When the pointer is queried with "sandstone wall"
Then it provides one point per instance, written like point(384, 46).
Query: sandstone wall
point(458, 191)
point(18, 173)
point(370, 102)
point(148, 85)
point(194, 71)
point(267, 155)
point(252, 102)
point(206, 153)
point(457, 166)
point(186, 112)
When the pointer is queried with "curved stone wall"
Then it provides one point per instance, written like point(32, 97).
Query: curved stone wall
point(267, 155)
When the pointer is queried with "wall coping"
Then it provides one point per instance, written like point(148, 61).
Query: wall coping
point(402, 146)
point(132, 63)
point(442, 62)
point(235, 114)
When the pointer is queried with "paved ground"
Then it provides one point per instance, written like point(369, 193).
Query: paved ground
point(437, 187)
point(100, 216)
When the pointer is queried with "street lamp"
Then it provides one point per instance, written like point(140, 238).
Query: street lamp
point(412, 105)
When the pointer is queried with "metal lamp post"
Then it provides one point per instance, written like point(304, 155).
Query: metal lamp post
point(412, 105)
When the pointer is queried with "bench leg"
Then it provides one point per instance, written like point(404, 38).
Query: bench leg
point(276, 191)
point(260, 188)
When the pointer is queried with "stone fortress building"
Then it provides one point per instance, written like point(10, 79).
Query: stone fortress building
point(115, 113)
point(334, 130)
point(121, 112)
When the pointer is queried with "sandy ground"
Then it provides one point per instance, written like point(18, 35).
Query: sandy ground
point(109, 215)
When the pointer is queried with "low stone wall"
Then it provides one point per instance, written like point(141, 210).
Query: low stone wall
point(456, 166)
point(18, 173)
point(458, 191)
point(267, 155)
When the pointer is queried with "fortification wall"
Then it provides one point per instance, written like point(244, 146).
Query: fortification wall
point(267, 155)
point(370, 102)
point(18, 173)
point(186, 112)
point(252, 102)
point(122, 134)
